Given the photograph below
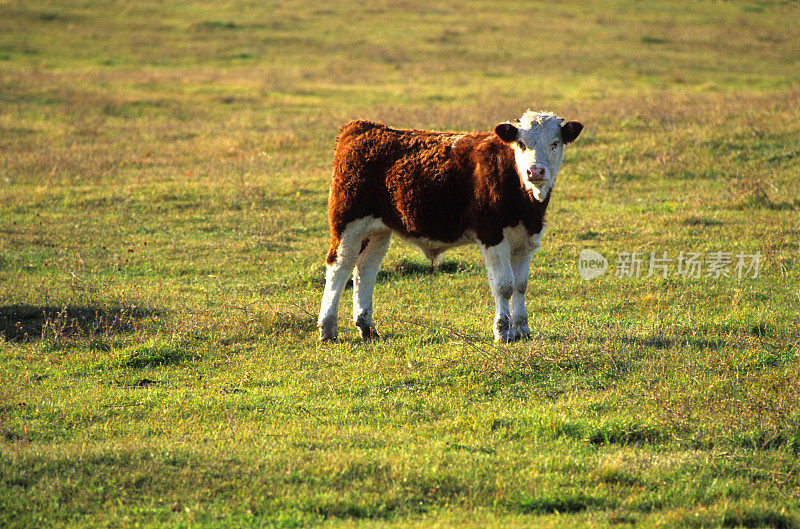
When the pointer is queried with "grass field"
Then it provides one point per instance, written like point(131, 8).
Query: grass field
point(163, 180)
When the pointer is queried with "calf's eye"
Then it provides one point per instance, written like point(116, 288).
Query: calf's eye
point(554, 145)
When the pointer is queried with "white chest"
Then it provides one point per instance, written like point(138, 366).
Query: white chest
point(520, 240)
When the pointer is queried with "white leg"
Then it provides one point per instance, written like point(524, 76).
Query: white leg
point(337, 275)
point(520, 264)
point(369, 261)
point(501, 280)
point(336, 278)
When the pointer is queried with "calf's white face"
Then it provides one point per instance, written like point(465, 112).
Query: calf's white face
point(538, 141)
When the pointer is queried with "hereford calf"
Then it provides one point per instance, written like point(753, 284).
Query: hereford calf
point(438, 190)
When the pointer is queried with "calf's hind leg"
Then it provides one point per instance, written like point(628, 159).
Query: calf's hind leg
point(367, 265)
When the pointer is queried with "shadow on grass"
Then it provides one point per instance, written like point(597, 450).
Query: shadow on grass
point(766, 203)
point(623, 433)
point(402, 269)
point(20, 323)
point(568, 503)
point(354, 511)
point(282, 323)
point(411, 268)
point(627, 434)
point(745, 517)
point(662, 342)
point(158, 354)
point(653, 341)
point(421, 492)
point(701, 221)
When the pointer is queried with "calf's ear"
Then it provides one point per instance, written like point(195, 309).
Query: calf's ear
point(570, 131)
point(507, 132)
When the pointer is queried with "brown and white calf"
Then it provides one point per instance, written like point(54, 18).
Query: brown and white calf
point(438, 190)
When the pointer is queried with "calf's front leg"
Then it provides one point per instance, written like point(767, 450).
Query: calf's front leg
point(520, 264)
point(497, 259)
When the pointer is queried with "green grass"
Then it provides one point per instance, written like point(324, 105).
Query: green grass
point(163, 181)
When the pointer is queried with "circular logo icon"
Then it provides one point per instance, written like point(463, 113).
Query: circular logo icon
point(591, 264)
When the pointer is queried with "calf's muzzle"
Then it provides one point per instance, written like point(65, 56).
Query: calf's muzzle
point(536, 174)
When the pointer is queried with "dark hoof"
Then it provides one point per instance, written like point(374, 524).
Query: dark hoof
point(368, 333)
point(366, 329)
point(328, 331)
point(506, 338)
point(326, 334)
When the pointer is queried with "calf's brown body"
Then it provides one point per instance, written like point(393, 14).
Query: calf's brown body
point(432, 185)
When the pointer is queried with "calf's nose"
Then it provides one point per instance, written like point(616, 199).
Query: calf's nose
point(536, 173)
